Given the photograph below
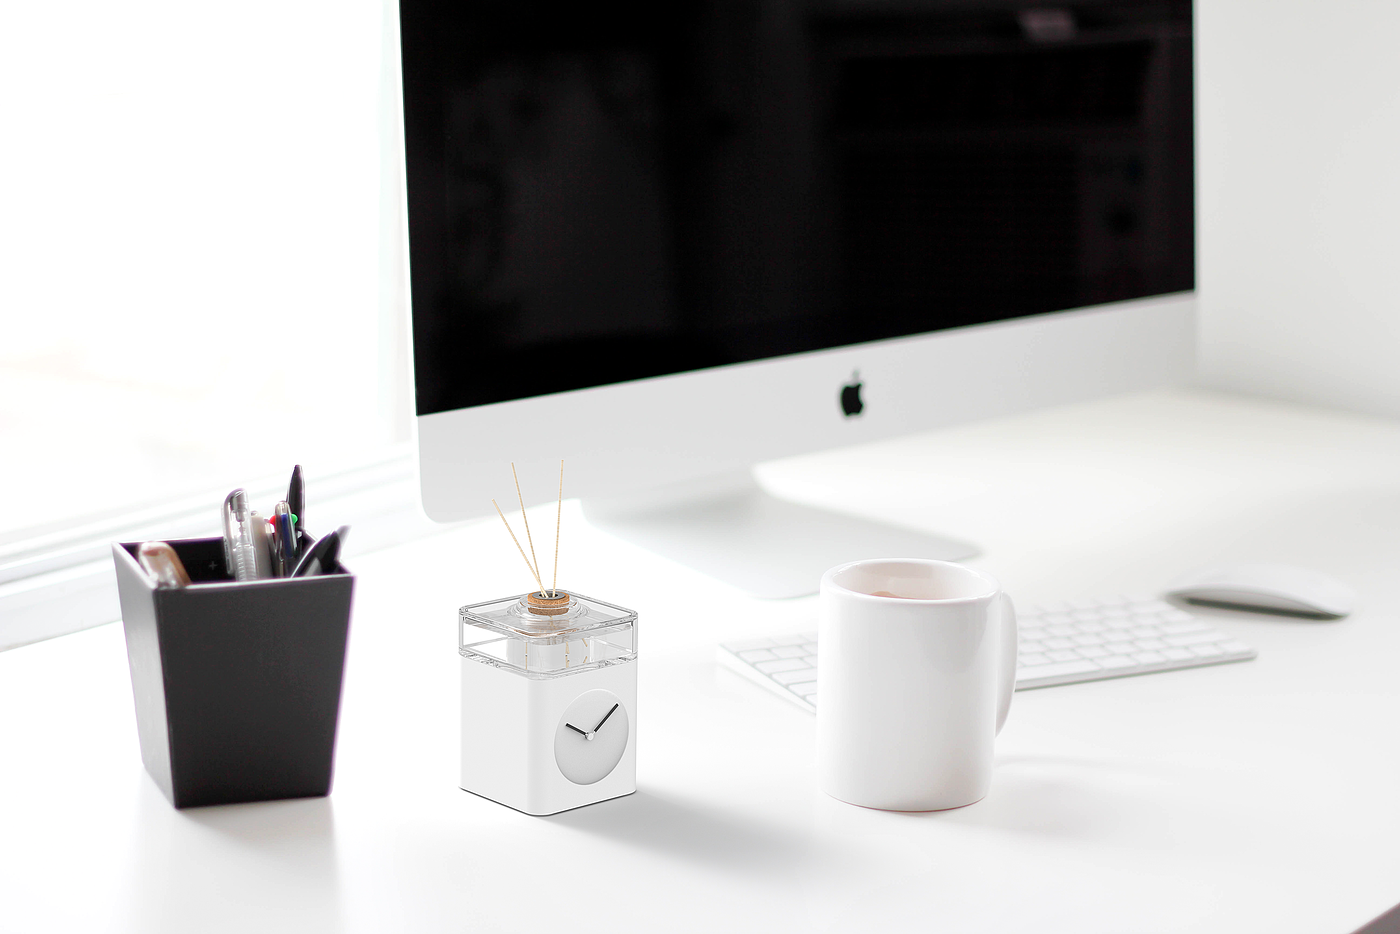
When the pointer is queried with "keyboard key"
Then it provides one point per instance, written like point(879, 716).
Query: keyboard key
point(810, 636)
point(1148, 658)
point(790, 651)
point(1081, 667)
point(1207, 650)
point(807, 689)
point(1057, 619)
point(810, 648)
point(1144, 632)
point(1095, 626)
point(1177, 655)
point(793, 677)
point(1089, 639)
point(1063, 629)
point(1059, 643)
point(782, 664)
point(757, 655)
point(1092, 651)
point(1064, 655)
point(1152, 644)
point(1032, 658)
point(1033, 632)
point(1030, 645)
point(1118, 635)
point(1115, 661)
point(1234, 647)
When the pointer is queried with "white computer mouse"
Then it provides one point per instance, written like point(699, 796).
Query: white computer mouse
point(1267, 588)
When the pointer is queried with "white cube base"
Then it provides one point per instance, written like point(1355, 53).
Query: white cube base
point(510, 723)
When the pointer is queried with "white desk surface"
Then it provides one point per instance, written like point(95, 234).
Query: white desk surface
point(1252, 797)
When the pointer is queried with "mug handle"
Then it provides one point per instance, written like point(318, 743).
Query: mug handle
point(1009, 637)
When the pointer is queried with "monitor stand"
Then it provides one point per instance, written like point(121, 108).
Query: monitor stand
point(730, 529)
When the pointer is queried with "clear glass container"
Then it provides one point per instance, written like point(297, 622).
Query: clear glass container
point(543, 637)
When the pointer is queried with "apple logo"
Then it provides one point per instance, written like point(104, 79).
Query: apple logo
point(850, 396)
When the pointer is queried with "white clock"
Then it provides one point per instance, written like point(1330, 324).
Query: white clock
point(549, 696)
point(589, 752)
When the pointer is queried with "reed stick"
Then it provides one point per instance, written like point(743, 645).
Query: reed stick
point(558, 516)
point(517, 545)
point(526, 520)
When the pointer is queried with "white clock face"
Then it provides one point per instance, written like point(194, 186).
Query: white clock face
point(592, 737)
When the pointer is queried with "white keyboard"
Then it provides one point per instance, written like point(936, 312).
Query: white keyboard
point(1061, 643)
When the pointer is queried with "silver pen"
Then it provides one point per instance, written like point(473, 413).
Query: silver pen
point(240, 547)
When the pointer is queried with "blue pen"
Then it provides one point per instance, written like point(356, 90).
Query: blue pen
point(285, 550)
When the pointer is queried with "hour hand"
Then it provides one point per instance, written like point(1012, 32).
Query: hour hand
point(605, 718)
point(577, 730)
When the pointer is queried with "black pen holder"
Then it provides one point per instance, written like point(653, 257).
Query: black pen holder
point(237, 685)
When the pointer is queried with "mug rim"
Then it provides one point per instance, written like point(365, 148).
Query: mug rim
point(829, 580)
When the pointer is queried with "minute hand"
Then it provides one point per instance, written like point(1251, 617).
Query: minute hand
point(605, 718)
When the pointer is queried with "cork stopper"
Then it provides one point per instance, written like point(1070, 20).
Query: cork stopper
point(542, 604)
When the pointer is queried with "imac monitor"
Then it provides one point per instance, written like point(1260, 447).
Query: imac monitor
point(666, 242)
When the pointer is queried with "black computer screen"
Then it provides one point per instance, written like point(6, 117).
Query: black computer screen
point(601, 192)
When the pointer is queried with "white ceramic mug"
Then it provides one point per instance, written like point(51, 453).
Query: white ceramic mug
point(916, 670)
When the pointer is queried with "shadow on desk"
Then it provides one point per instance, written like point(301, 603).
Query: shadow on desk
point(283, 854)
point(271, 826)
point(1069, 797)
point(687, 830)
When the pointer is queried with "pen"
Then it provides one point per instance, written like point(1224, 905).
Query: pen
point(161, 562)
point(296, 501)
point(322, 557)
point(284, 550)
point(240, 546)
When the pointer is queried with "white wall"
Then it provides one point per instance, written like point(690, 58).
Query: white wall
point(1298, 112)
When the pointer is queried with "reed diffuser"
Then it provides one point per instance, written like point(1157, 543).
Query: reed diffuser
point(549, 690)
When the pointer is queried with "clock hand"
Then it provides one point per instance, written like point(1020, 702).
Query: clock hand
point(578, 731)
point(605, 718)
